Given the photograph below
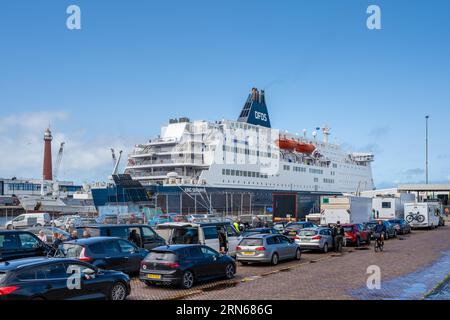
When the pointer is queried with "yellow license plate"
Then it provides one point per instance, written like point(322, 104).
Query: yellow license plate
point(292, 233)
point(154, 276)
point(248, 253)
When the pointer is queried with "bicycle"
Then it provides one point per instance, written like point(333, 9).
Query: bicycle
point(379, 244)
point(415, 217)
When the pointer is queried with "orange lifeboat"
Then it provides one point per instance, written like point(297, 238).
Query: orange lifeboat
point(305, 147)
point(288, 144)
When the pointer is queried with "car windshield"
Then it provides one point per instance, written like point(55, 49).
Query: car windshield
point(307, 233)
point(251, 242)
point(71, 250)
point(161, 256)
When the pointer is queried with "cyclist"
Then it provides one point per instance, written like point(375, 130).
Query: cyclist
point(380, 231)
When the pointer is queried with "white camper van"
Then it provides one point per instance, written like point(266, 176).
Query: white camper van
point(199, 233)
point(346, 209)
point(423, 214)
point(390, 207)
point(27, 220)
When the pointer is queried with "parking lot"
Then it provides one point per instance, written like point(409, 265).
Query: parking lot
point(316, 275)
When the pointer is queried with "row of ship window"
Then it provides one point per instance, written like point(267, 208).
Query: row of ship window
point(250, 152)
point(241, 173)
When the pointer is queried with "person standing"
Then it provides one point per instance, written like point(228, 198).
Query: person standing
point(42, 236)
point(339, 237)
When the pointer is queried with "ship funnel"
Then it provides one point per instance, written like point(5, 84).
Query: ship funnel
point(255, 109)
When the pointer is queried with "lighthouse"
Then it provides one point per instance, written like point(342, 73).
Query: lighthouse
point(48, 174)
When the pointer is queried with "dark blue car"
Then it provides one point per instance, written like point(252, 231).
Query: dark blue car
point(106, 253)
point(184, 265)
point(60, 279)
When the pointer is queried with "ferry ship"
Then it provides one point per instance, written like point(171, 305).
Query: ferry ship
point(238, 166)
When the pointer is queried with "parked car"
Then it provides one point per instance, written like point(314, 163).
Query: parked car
point(21, 244)
point(79, 222)
point(401, 226)
point(195, 217)
point(28, 220)
point(185, 265)
point(390, 229)
point(250, 232)
point(47, 279)
point(356, 234)
point(146, 237)
point(162, 218)
point(106, 253)
point(62, 221)
point(315, 239)
point(49, 232)
point(293, 228)
point(199, 233)
point(267, 248)
point(279, 226)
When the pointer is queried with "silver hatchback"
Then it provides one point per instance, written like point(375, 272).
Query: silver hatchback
point(315, 239)
point(265, 248)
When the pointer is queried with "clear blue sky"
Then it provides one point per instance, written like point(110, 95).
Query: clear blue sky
point(135, 64)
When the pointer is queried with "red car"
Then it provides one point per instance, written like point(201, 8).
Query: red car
point(355, 234)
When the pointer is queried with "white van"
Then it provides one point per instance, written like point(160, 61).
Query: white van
point(423, 215)
point(199, 233)
point(28, 220)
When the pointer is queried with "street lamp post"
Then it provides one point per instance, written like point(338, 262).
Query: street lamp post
point(426, 148)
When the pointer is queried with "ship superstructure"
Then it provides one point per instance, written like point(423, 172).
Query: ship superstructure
point(248, 154)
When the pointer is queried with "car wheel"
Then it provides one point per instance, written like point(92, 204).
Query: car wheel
point(325, 248)
point(9, 227)
point(298, 254)
point(395, 234)
point(274, 261)
point(229, 271)
point(187, 281)
point(118, 292)
point(358, 242)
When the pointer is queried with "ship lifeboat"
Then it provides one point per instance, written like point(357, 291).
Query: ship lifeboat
point(286, 144)
point(305, 147)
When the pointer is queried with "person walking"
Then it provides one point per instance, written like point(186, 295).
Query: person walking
point(339, 237)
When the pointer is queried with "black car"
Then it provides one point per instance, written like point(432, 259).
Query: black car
point(390, 229)
point(401, 226)
point(292, 229)
point(184, 265)
point(141, 235)
point(106, 253)
point(60, 279)
point(21, 244)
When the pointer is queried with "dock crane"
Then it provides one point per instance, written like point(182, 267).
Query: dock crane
point(57, 166)
point(116, 161)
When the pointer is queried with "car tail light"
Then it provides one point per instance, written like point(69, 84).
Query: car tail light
point(297, 238)
point(238, 248)
point(83, 256)
point(7, 290)
point(316, 238)
point(260, 249)
point(172, 265)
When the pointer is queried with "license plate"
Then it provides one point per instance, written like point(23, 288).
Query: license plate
point(154, 276)
point(292, 233)
point(306, 240)
point(248, 253)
